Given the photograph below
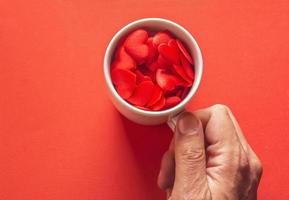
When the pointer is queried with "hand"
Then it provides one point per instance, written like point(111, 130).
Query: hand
point(209, 158)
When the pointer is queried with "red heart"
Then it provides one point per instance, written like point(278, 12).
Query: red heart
point(179, 92)
point(161, 37)
point(173, 44)
point(152, 51)
point(159, 105)
point(153, 66)
point(185, 92)
point(140, 77)
point(172, 101)
point(153, 77)
point(165, 80)
point(181, 82)
point(141, 107)
point(157, 94)
point(142, 93)
point(124, 81)
point(170, 52)
point(163, 63)
point(185, 52)
point(181, 72)
point(187, 67)
point(123, 60)
point(135, 45)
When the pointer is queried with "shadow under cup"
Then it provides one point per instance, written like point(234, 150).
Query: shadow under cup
point(153, 24)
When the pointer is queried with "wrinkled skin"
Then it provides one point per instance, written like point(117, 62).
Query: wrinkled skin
point(209, 158)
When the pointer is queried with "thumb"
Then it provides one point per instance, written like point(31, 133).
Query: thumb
point(190, 157)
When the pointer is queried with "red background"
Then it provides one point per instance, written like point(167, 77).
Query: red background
point(61, 138)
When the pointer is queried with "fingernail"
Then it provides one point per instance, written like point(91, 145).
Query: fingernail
point(188, 124)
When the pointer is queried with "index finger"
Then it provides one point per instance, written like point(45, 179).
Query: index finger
point(218, 126)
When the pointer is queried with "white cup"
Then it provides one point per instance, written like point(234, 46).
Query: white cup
point(153, 117)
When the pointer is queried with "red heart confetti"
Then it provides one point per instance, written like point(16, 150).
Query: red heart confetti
point(185, 92)
point(135, 44)
point(125, 82)
point(159, 105)
point(187, 67)
point(163, 63)
point(172, 101)
point(156, 96)
point(173, 45)
point(179, 93)
point(153, 66)
point(152, 51)
point(141, 107)
point(123, 60)
point(140, 77)
point(185, 52)
point(166, 81)
point(161, 37)
point(170, 53)
point(142, 94)
point(181, 72)
point(152, 71)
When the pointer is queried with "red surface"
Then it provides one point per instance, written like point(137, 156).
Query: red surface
point(61, 138)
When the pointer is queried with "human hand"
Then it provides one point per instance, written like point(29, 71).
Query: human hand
point(209, 158)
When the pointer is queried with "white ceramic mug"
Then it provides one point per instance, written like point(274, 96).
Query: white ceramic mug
point(153, 117)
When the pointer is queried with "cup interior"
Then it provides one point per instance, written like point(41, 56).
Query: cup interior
point(156, 24)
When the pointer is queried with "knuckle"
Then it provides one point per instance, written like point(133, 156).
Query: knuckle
point(257, 166)
point(220, 108)
point(243, 161)
point(244, 165)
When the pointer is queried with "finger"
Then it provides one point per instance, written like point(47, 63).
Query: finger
point(218, 124)
point(240, 134)
point(190, 156)
point(169, 193)
point(167, 171)
point(231, 133)
point(166, 175)
point(223, 112)
point(172, 145)
point(221, 119)
point(221, 136)
point(254, 161)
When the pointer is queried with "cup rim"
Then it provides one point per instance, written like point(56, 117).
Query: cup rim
point(112, 89)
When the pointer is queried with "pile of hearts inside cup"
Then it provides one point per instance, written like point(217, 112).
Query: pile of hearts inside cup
point(152, 71)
